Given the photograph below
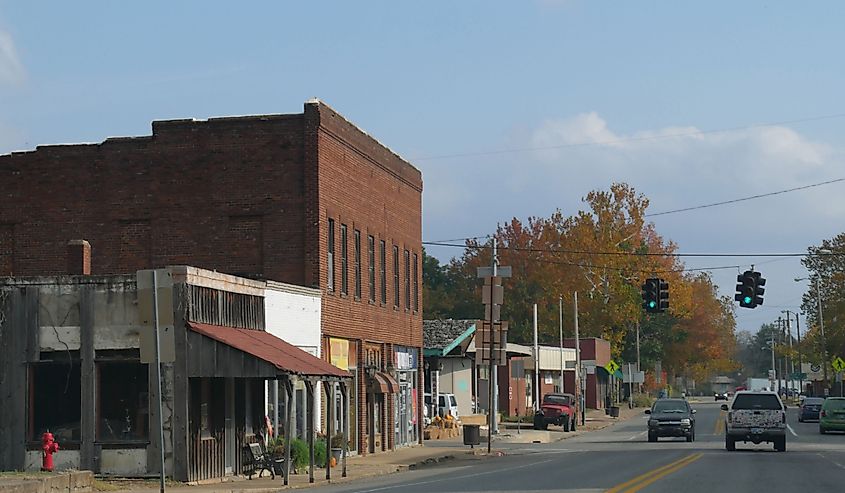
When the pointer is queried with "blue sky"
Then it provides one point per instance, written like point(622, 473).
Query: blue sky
point(463, 78)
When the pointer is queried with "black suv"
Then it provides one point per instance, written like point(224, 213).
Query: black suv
point(671, 418)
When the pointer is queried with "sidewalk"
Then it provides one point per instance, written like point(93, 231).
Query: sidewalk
point(358, 467)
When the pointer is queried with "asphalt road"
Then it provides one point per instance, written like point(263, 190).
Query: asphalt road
point(620, 459)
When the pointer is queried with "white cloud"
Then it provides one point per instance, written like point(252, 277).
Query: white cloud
point(11, 69)
point(675, 167)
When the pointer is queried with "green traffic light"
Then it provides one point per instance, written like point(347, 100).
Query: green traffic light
point(651, 304)
point(747, 300)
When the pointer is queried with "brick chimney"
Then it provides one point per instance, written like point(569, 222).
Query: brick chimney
point(78, 258)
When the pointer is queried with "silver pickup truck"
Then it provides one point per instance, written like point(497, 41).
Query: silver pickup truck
point(755, 417)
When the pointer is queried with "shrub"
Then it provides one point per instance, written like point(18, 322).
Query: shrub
point(642, 400)
point(299, 453)
point(319, 454)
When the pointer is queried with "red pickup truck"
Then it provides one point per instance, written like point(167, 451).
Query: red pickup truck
point(556, 409)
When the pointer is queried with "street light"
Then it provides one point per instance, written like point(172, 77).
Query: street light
point(821, 317)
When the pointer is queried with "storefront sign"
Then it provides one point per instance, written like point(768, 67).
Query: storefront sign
point(406, 358)
point(339, 353)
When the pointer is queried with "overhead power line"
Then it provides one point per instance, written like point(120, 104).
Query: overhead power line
point(630, 254)
point(685, 209)
point(752, 197)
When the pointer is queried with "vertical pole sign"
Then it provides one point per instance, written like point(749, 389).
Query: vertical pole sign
point(158, 344)
point(491, 347)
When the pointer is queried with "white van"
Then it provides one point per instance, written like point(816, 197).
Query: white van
point(447, 404)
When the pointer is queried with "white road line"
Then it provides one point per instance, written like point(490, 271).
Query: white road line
point(791, 430)
point(452, 478)
point(638, 435)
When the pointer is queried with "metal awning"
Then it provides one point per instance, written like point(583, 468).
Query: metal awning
point(285, 357)
point(383, 383)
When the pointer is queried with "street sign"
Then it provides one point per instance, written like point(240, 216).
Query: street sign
point(612, 366)
point(501, 271)
point(164, 299)
point(815, 368)
point(798, 376)
point(838, 364)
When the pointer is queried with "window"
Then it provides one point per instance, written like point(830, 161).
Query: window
point(330, 258)
point(56, 399)
point(371, 257)
point(395, 276)
point(123, 402)
point(344, 262)
point(416, 285)
point(356, 235)
point(407, 280)
point(383, 270)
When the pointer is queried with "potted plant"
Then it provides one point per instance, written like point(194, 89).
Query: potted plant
point(337, 447)
point(276, 449)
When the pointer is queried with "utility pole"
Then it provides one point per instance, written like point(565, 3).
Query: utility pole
point(639, 385)
point(493, 334)
point(824, 340)
point(780, 360)
point(800, 362)
point(560, 318)
point(772, 345)
point(580, 380)
point(536, 365)
point(791, 359)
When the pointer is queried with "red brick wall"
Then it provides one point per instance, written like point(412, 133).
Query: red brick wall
point(370, 189)
point(224, 194)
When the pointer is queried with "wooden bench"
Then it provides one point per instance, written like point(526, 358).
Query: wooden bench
point(256, 459)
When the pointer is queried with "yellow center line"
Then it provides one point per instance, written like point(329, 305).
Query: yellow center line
point(662, 474)
point(720, 424)
point(654, 474)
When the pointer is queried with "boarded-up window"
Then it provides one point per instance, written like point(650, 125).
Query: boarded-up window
point(7, 249)
point(135, 246)
point(246, 246)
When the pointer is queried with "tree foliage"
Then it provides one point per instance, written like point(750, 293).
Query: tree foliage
point(604, 253)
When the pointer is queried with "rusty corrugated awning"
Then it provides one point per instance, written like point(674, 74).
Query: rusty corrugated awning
point(384, 383)
point(265, 346)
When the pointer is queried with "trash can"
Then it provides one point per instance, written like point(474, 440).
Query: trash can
point(614, 411)
point(472, 434)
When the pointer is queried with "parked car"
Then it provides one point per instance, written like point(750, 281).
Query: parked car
point(447, 404)
point(832, 416)
point(556, 409)
point(810, 409)
point(721, 396)
point(755, 417)
point(671, 418)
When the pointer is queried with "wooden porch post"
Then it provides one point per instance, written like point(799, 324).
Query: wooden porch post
point(309, 424)
point(288, 434)
point(345, 419)
point(329, 426)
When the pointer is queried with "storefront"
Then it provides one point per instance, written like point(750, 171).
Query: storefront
point(343, 354)
point(406, 400)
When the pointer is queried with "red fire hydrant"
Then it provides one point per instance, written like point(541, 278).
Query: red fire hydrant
point(48, 448)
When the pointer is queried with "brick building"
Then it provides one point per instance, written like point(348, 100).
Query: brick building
point(307, 199)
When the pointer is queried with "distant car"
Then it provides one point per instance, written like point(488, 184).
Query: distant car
point(557, 409)
point(832, 416)
point(671, 418)
point(755, 417)
point(810, 409)
point(721, 396)
point(446, 404)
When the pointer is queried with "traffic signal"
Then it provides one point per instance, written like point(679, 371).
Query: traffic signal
point(749, 290)
point(655, 295)
point(663, 297)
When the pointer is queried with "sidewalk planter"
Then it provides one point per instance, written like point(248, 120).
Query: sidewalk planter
point(336, 454)
point(614, 411)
